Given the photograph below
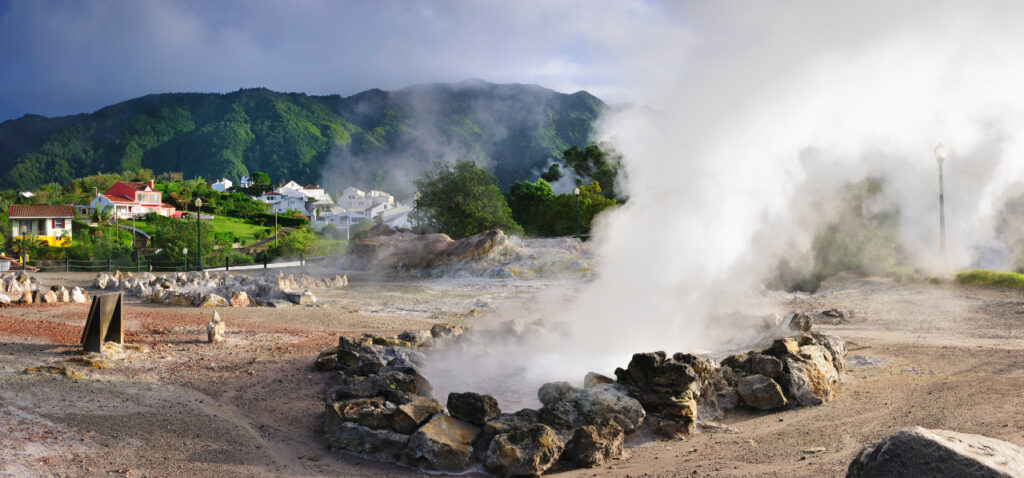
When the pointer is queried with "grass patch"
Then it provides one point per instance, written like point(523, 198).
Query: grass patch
point(242, 230)
point(1011, 280)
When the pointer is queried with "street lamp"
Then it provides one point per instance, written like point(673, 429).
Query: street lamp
point(577, 193)
point(24, 253)
point(941, 153)
point(199, 234)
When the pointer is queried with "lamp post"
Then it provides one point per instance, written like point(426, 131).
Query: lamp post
point(941, 153)
point(577, 193)
point(24, 253)
point(199, 235)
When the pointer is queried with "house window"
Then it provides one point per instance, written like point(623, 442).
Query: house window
point(57, 224)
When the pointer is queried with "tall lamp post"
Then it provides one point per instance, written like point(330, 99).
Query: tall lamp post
point(577, 193)
point(941, 153)
point(199, 235)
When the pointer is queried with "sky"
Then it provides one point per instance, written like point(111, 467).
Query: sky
point(66, 57)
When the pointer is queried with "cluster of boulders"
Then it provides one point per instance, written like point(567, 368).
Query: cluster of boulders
point(20, 288)
point(381, 407)
point(218, 289)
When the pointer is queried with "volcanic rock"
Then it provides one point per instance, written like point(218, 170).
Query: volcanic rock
point(301, 298)
point(416, 338)
point(444, 442)
point(761, 392)
point(376, 413)
point(26, 296)
point(446, 330)
point(727, 398)
point(50, 297)
point(836, 347)
point(384, 249)
point(504, 423)
point(528, 451)
point(765, 365)
point(667, 389)
point(594, 378)
point(215, 329)
point(612, 401)
point(411, 415)
point(552, 392)
point(807, 382)
point(922, 452)
point(783, 347)
point(473, 407)
point(4, 299)
point(400, 385)
point(799, 322)
point(592, 445)
point(383, 445)
point(63, 295)
point(240, 299)
point(212, 300)
point(560, 415)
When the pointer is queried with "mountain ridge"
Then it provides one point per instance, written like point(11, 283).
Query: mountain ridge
point(375, 136)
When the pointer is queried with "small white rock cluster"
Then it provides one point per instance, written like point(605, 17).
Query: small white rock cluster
point(20, 288)
point(218, 289)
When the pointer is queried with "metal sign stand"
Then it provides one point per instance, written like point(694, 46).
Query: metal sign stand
point(105, 322)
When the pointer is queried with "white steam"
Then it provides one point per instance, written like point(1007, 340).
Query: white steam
point(755, 121)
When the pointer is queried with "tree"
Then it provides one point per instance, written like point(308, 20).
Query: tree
point(559, 217)
point(461, 200)
point(553, 174)
point(259, 178)
point(528, 202)
point(596, 162)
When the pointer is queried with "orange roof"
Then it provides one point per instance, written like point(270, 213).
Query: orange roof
point(39, 211)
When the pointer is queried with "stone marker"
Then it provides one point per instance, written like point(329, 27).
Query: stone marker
point(215, 329)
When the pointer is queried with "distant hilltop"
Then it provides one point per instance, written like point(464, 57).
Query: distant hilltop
point(374, 138)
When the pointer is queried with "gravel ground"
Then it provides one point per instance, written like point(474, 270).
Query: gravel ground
point(951, 358)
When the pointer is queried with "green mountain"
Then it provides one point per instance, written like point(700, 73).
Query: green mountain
point(374, 138)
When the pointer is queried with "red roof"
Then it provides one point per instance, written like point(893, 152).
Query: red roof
point(40, 211)
point(120, 199)
point(128, 188)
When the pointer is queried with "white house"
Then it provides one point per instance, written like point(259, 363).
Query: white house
point(245, 181)
point(358, 200)
point(280, 203)
point(221, 185)
point(312, 191)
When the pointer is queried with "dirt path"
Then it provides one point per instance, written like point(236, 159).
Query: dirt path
point(951, 357)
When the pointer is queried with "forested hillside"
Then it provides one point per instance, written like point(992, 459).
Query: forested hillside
point(383, 137)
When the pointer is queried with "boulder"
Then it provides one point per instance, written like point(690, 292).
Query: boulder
point(761, 392)
point(376, 413)
point(526, 451)
point(50, 297)
point(215, 329)
point(783, 347)
point(612, 401)
point(444, 442)
point(383, 445)
point(446, 330)
point(473, 407)
point(552, 392)
point(63, 295)
point(808, 382)
point(592, 445)
point(560, 415)
point(212, 300)
point(4, 300)
point(836, 347)
point(504, 423)
point(765, 365)
point(101, 281)
point(594, 378)
point(798, 321)
point(400, 385)
point(240, 299)
point(411, 415)
point(26, 296)
point(922, 452)
point(78, 295)
point(416, 338)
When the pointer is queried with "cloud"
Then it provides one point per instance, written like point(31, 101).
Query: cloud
point(63, 57)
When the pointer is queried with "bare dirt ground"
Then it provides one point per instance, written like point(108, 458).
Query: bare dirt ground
point(952, 357)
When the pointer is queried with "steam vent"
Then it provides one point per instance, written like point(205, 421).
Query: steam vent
point(380, 406)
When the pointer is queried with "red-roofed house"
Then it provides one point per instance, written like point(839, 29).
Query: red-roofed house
point(129, 198)
point(46, 223)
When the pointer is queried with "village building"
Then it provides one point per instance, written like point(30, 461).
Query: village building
point(133, 199)
point(359, 200)
point(281, 203)
point(45, 223)
point(221, 185)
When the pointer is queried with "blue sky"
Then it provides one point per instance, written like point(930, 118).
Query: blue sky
point(65, 57)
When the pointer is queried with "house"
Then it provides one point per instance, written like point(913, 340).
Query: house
point(46, 223)
point(245, 181)
point(311, 191)
point(221, 185)
point(133, 199)
point(280, 203)
point(358, 200)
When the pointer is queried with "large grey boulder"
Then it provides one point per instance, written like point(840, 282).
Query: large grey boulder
point(384, 445)
point(612, 401)
point(921, 452)
point(552, 392)
point(592, 445)
point(444, 442)
point(473, 407)
point(811, 377)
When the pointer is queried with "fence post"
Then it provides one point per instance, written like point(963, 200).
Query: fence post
point(227, 264)
point(137, 261)
point(149, 264)
point(108, 264)
point(264, 260)
point(67, 264)
point(186, 263)
point(302, 261)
